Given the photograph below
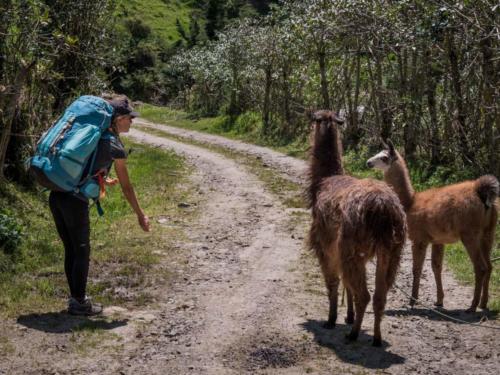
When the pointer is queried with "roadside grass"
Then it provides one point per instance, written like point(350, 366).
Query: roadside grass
point(458, 260)
point(121, 245)
point(456, 256)
point(6, 347)
point(124, 260)
point(92, 334)
point(290, 194)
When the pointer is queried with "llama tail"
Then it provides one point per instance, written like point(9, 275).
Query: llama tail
point(378, 219)
point(390, 239)
point(387, 223)
point(487, 187)
point(394, 261)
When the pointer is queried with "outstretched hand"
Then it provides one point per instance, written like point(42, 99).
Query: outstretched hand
point(110, 181)
point(144, 222)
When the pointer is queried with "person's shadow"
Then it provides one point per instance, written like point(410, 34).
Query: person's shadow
point(360, 352)
point(62, 322)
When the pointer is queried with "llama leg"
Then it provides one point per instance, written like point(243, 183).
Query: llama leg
point(333, 291)
point(418, 252)
point(486, 247)
point(355, 280)
point(473, 249)
point(437, 266)
point(350, 308)
point(332, 285)
point(380, 297)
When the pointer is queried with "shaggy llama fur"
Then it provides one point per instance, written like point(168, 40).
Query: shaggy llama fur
point(353, 220)
point(466, 211)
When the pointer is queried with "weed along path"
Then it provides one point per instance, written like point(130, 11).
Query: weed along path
point(248, 298)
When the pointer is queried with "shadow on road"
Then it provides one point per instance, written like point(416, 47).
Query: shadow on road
point(467, 317)
point(62, 322)
point(360, 353)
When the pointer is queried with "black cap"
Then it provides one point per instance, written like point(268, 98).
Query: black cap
point(122, 107)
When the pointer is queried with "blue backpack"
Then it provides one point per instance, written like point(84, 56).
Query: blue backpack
point(69, 147)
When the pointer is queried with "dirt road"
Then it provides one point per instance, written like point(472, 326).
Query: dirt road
point(251, 299)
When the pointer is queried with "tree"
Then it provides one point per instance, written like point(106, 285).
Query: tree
point(52, 51)
point(425, 74)
point(215, 18)
point(20, 29)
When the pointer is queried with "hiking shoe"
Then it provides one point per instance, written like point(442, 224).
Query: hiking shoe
point(87, 307)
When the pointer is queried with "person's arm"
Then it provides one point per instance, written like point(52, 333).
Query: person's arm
point(128, 191)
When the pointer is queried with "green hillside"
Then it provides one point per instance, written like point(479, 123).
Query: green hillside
point(147, 33)
point(159, 15)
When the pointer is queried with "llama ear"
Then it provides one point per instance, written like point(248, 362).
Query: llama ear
point(316, 115)
point(384, 145)
point(309, 113)
point(337, 119)
point(392, 150)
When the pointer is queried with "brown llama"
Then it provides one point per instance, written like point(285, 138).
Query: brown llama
point(465, 211)
point(353, 220)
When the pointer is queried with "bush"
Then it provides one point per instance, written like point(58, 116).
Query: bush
point(423, 178)
point(138, 29)
point(10, 233)
point(248, 122)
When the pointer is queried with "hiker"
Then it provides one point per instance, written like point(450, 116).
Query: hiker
point(71, 211)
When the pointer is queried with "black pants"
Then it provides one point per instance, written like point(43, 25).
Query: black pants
point(71, 216)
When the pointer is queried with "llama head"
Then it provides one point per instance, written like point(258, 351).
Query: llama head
point(324, 123)
point(384, 159)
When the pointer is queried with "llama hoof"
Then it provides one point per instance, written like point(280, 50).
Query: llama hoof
point(353, 336)
point(439, 305)
point(329, 325)
point(471, 310)
point(377, 342)
point(349, 319)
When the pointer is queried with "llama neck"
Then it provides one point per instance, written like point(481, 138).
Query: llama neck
point(398, 177)
point(326, 161)
point(327, 155)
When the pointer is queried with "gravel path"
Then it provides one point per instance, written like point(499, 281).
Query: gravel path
point(291, 168)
